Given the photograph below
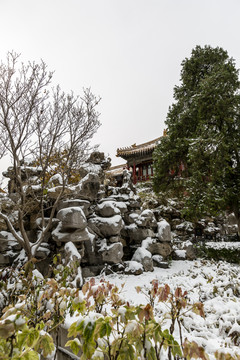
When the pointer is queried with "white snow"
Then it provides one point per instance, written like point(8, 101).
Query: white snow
point(113, 220)
point(181, 253)
point(71, 248)
point(140, 254)
point(109, 204)
point(57, 177)
point(133, 266)
point(223, 245)
point(37, 274)
point(92, 168)
point(20, 321)
point(216, 285)
point(146, 242)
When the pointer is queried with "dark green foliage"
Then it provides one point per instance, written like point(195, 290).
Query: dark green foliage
point(203, 136)
point(230, 255)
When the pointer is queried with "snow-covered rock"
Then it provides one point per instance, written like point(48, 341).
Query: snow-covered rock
point(72, 218)
point(107, 226)
point(144, 257)
point(107, 209)
point(146, 219)
point(133, 268)
point(83, 204)
point(157, 248)
point(185, 228)
point(88, 187)
point(136, 234)
point(73, 260)
point(112, 254)
point(54, 192)
point(61, 235)
point(164, 231)
point(158, 261)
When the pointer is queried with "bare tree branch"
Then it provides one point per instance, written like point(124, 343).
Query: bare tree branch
point(44, 124)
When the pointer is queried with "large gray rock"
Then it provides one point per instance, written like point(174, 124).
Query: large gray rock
point(164, 231)
point(131, 218)
point(90, 168)
point(107, 209)
point(92, 255)
point(9, 248)
point(88, 187)
point(127, 185)
point(157, 248)
point(122, 206)
point(61, 235)
point(107, 226)
point(191, 253)
point(72, 218)
point(112, 254)
point(146, 219)
point(136, 234)
point(167, 211)
point(83, 204)
point(91, 271)
point(54, 192)
point(144, 257)
point(97, 157)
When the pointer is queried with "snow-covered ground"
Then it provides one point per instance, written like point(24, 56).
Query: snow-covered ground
point(223, 245)
point(217, 285)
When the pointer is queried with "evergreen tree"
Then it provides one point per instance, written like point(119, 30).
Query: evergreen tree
point(200, 158)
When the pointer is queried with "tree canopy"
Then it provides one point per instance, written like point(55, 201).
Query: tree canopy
point(199, 159)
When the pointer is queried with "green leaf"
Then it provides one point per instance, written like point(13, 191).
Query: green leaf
point(32, 337)
point(89, 331)
point(72, 331)
point(89, 348)
point(21, 338)
point(105, 329)
point(31, 355)
point(74, 345)
point(46, 345)
point(176, 349)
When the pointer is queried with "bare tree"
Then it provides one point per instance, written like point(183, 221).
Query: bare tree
point(40, 122)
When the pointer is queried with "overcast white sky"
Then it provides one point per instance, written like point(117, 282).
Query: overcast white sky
point(128, 51)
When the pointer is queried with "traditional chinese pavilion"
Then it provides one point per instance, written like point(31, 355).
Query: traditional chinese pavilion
point(139, 159)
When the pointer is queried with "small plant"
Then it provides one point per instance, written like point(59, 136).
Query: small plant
point(32, 309)
point(110, 328)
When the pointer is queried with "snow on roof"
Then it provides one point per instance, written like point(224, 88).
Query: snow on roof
point(140, 149)
point(116, 170)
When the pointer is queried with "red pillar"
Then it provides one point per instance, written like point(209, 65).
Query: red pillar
point(140, 172)
point(134, 174)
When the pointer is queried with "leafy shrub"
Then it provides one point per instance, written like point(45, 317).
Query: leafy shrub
point(230, 255)
point(108, 327)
